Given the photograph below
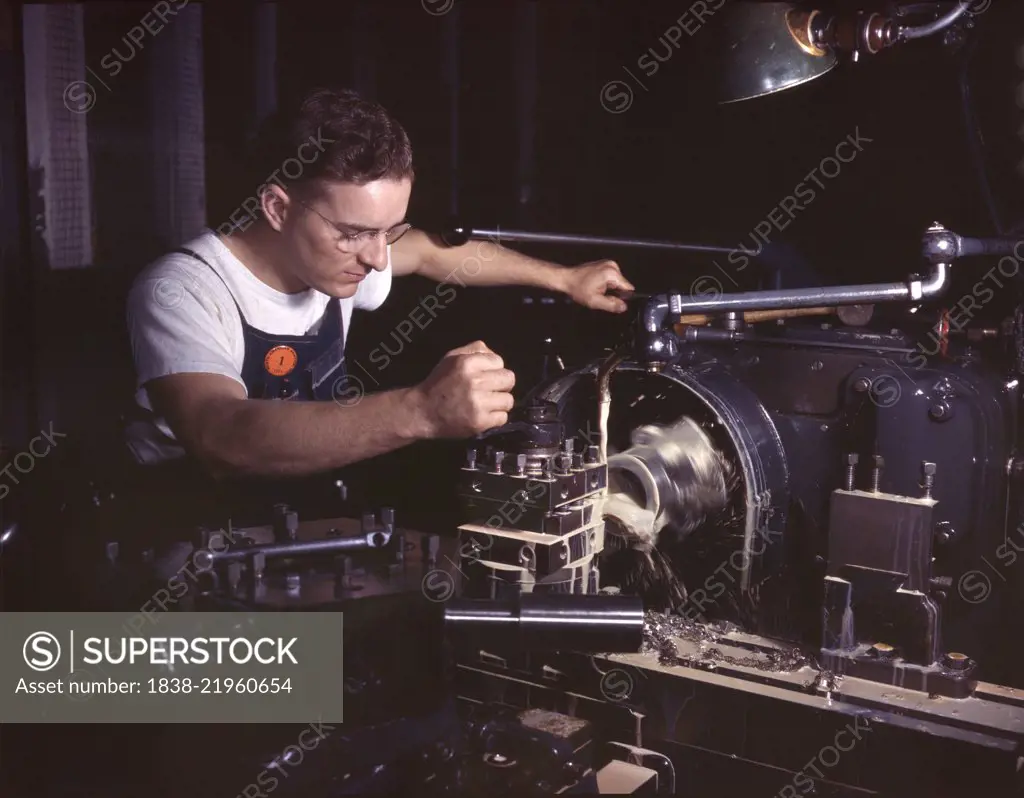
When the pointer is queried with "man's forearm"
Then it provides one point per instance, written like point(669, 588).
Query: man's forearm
point(484, 263)
point(263, 438)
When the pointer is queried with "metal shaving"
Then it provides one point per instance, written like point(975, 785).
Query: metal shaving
point(662, 630)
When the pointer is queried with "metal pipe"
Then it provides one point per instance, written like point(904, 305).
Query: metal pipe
point(206, 559)
point(535, 622)
point(963, 247)
point(914, 289)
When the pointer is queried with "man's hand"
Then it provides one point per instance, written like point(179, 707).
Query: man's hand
point(589, 284)
point(468, 392)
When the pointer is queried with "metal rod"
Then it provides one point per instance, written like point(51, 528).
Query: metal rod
point(461, 235)
point(535, 622)
point(712, 334)
point(373, 540)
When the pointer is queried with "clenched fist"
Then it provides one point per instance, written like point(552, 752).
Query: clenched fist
point(468, 392)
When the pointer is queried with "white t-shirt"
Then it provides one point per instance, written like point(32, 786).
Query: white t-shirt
point(183, 319)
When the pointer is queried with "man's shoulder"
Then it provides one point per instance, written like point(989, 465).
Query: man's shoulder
point(166, 281)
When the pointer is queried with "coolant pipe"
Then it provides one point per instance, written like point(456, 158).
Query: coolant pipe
point(914, 289)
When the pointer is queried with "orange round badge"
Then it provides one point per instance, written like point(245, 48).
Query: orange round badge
point(280, 360)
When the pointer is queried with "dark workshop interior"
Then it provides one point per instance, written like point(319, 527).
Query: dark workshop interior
point(788, 563)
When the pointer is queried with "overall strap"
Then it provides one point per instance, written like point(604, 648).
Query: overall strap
point(205, 262)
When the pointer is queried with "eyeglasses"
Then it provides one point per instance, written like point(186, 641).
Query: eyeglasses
point(353, 242)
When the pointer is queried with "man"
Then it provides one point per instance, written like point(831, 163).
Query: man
point(261, 310)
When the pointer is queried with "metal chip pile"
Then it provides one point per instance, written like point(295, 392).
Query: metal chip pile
point(661, 631)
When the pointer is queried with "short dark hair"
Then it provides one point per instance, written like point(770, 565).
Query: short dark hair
point(336, 135)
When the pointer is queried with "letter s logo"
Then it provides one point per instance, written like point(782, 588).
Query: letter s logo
point(41, 651)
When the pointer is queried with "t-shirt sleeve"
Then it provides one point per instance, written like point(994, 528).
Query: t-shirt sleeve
point(374, 289)
point(176, 326)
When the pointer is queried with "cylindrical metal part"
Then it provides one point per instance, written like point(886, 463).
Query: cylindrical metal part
point(374, 540)
point(876, 473)
point(461, 234)
point(674, 473)
point(659, 308)
point(536, 622)
point(851, 470)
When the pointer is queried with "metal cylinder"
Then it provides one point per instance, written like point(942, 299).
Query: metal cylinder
point(535, 622)
point(674, 473)
point(206, 559)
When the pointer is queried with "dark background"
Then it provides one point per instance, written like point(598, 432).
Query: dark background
point(502, 101)
point(503, 104)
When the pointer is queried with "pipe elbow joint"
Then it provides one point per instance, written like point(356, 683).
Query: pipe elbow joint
point(933, 286)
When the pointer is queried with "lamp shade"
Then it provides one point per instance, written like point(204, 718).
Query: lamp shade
point(765, 48)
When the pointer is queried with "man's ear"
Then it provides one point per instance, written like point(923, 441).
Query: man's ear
point(275, 204)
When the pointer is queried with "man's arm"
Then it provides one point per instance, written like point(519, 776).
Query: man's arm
point(185, 359)
point(467, 392)
point(486, 263)
point(232, 435)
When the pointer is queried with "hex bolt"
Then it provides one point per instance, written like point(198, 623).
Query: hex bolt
point(520, 465)
point(498, 460)
point(928, 472)
point(547, 467)
point(593, 453)
point(876, 473)
point(342, 490)
point(851, 469)
point(568, 446)
point(577, 461)
point(471, 459)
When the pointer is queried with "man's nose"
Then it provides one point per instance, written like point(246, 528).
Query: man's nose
point(375, 253)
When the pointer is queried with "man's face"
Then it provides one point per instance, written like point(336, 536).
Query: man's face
point(318, 259)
